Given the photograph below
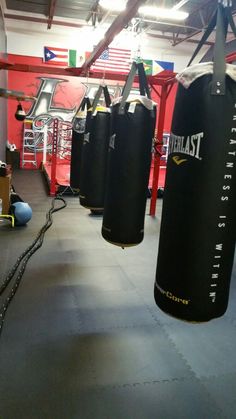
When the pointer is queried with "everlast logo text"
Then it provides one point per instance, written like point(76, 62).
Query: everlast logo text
point(189, 145)
point(172, 297)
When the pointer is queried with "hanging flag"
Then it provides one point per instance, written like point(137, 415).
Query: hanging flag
point(56, 56)
point(76, 58)
point(158, 66)
point(113, 60)
point(63, 57)
point(153, 67)
point(147, 64)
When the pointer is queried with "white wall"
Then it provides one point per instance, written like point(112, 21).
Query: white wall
point(29, 38)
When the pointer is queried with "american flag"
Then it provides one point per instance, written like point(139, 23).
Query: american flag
point(115, 60)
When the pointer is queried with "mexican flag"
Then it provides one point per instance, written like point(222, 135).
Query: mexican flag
point(63, 57)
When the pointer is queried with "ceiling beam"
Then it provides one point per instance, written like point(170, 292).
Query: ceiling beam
point(43, 20)
point(175, 24)
point(194, 33)
point(92, 11)
point(186, 38)
point(180, 4)
point(116, 27)
point(170, 37)
point(164, 77)
point(203, 6)
point(52, 6)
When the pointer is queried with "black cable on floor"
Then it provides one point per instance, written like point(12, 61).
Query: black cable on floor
point(23, 259)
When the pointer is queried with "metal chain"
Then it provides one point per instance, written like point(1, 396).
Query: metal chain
point(23, 260)
point(225, 3)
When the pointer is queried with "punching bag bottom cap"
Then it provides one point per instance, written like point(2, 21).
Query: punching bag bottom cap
point(122, 244)
point(107, 234)
point(177, 307)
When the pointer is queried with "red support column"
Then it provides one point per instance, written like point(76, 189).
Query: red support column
point(157, 157)
point(53, 188)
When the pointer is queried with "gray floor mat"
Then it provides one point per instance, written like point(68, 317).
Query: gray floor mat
point(83, 337)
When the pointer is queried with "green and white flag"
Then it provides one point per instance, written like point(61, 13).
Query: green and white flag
point(63, 57)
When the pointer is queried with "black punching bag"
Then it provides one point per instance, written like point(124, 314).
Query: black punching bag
point(133, 124)
point(77, 143)
point(198, 226)
point(95, 153)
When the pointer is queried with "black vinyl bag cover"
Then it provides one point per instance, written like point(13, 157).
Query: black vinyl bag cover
point(95, 154)
point(198, 226)
point(77, 143)
point(129, 160)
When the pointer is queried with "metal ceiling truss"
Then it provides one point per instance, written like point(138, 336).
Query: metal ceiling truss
point(91, 11)
point(43, 20)
point(116, 27)
point(52, 6)
point(175, 31)
point(204, 13)
point(170, 38)
point(95, 13)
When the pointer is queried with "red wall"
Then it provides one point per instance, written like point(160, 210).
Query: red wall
point(67, 95)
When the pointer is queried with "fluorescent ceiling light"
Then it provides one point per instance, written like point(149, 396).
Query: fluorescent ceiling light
point(169, 14)
point(115, 6)
point(161, 13)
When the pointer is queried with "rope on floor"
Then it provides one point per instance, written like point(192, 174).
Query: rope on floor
point(21, 263)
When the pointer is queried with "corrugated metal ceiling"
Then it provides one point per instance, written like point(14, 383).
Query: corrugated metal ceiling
point(200, 12)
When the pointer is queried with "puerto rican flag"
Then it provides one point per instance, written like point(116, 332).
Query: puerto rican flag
point(57, 56)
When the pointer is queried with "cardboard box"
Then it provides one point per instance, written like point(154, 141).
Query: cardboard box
point(5, 189)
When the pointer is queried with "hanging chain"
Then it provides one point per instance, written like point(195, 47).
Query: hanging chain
point(225, 3)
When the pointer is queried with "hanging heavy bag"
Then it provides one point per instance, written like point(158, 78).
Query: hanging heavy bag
point(198, 226)
point(133, 124)
point(95, 153)
point(77, 142)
